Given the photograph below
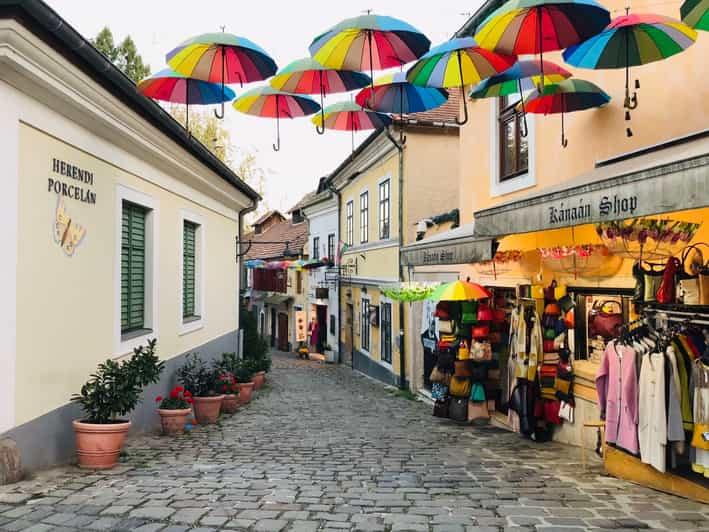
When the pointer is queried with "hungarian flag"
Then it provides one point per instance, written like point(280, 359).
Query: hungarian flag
point(343, 247)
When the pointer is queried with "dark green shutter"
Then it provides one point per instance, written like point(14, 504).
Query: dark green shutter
point(132, 267)
point(188, 277)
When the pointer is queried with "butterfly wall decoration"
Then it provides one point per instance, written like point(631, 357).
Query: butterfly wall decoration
point(67, 233)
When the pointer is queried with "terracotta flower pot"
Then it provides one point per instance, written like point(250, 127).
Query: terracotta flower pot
point(98, 446)
point(230, 403)
point(259, 378)
point(245, 391)
point(206, 409)
point(174, 421)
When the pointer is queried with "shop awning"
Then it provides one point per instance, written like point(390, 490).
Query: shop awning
point(669, 178)
point(457, 246)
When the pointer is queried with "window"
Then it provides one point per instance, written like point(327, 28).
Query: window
point(366, 328)
point(316, 248)
point(132, 267)
point(349, 223)
point(331, 248)
point(385, 332)
point(514, 153)
point(299, 281)
point(384, 209)
point(189, 272)
point(364, 217)
point(297, 216)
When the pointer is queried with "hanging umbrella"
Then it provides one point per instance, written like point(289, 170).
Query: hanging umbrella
point(350, 116)
point(369, 42)
point(522, 27)
point(457, 63)
point(565, 97)
point(632, 40)
point(307, 76)
point(255, 264)
point(169, 86)
point(459, 291)
point(695, 13)
point(523, 76)
point(268, 102)
point(221, 58)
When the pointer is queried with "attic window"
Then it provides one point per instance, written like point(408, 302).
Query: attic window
point(298, 216)
point(258, 229)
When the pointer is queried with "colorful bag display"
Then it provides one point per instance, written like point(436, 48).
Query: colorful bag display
point(459, 387)
point(478, 410)
point(439, 391)
point(458, 409)
point(477, 392)
point(441, 408)
point(547, 377)
point(463, 368)
point(652, 278)
point(484, 312)
point(480, 332)
point(468, 312)
point(499, 315)
point(443, 310)
point(480, 351)
point(446, 326)
point(605, 324)
point(463, 351)
point(548, 346)
point(549, 334)
point(566, 303)
point(563, 382)
point(552, 309)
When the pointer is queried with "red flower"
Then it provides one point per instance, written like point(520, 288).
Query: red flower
point(188, 400)
point(158, 398)
point(187, 394)
point(174, 394)
point(179, 388)
point(224, 388)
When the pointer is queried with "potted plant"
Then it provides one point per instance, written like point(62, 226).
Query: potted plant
point(109, 395)
point(226, 384)
point(260, 366)
point(243, 374)
point(174, 410)
point(327, 348)
point(201, 382)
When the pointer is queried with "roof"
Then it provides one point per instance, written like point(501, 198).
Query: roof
point(276, 236)
point(470, 27)
point(445, 114)
point(266, 216)
point(305, 200)
point(44, 22)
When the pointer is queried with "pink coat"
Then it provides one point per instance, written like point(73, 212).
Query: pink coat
point(617, 386)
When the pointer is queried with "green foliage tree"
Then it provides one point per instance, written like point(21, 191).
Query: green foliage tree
point(255, 345)
point(124, 55)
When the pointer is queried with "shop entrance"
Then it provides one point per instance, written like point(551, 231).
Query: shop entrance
point(321, 317)
point(283, 332)
point(349, 332)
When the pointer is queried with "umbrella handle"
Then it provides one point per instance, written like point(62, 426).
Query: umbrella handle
point(321, 129)
point(524, 130)
point(277, 145)
point(462, 93)
point(218, 115)
point(564, 140)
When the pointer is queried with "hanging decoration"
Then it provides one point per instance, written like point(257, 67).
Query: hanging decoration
point(409, 291)
point(646, 238)
point(503, 262)
point(582, 260)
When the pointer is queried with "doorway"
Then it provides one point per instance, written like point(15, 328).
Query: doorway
point(283, 332)
point(321, 317)
point(273, 327)
point(349, 332)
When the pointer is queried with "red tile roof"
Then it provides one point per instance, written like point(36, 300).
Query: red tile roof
point(445, 113)
point(280, 232)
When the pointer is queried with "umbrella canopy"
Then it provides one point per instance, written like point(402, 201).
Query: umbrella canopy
point(565, 97)
point(255, 264)
point(632, 40)
point(695, 13)
point(350, 116)
point(459, 291)
point(221, 58)
point(392, 93)
point(170, 86)
point(268, 102)
point(536, 26)
point(307, 76)
point(457, 63)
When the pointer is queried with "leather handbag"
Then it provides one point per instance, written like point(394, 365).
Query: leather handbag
point(484, 312)
point(458, 409)
point(478, 410)
point(480, 351)
point(480, 332)
point(552, 309)
point(441, 408)
point(437, 375)
point(667, 292)
point(652, 278)
point(446, 326)
point(477, 392)
point(459, 387)
point(445, 361)
point(468, 312)
point(495, 337)
point(463, 351)
point(602, 323)
point(463, 368)
point(443, 310)
point(688, 276)
point(566, 303)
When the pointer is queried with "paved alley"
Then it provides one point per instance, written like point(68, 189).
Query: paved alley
point(323, 448)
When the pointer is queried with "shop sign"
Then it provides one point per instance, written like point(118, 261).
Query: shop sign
point(460, 253)
point(78, 189)
point(580, 211)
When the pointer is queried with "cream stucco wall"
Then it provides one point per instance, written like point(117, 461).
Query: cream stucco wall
point(66, 307)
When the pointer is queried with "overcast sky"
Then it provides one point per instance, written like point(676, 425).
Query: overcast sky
point(284, 30)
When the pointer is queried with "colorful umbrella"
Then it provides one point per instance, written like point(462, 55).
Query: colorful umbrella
point(268, 102)
point(632, 40)
point(169, 86)
point(536, 26)
point(695, 13)
point(565, 97)
point(459, 291)
point(369, 42)
point(307, 76)
point(457, 63)
point(221, 58)
point(255, 264)
point(350, 116)
point(523, 76)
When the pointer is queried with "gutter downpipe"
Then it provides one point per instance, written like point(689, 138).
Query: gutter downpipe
point(240, 273)
point(402, 344)
point(336, 192)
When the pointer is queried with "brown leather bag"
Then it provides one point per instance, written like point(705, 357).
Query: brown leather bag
point(463, 368)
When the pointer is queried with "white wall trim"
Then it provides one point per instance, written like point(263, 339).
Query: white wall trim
point(152, 224)
point(528, 180)
point(200, 277)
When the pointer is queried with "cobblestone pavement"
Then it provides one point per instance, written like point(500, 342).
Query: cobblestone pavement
point(322, 448)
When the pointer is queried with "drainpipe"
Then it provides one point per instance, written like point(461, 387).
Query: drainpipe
point(339, 275)
point(402, 344)
point(240, 271)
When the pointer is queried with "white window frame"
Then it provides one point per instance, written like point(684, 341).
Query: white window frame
point(123, 346)
point(364, 236)
point(383, 300)
point(186, 327)
point(379, 214)
point(349, 223)
point(368, 299)
point(522, 181)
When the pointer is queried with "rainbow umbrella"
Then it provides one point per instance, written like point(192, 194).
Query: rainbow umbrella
point(169, 86)
point(632, 40)
point(268, 102)
point(350, 116)
point(522, 27)
point(221, 58)
point(255, 264)
point(369, 42)
point(523, 76)
point(695, 13)
point(457, 63)
point(459, 291)
point(307, 76)
point(565, 97)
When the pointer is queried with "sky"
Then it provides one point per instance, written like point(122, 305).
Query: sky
point(284, 30)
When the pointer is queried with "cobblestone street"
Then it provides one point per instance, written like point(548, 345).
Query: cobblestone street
point(322, 448)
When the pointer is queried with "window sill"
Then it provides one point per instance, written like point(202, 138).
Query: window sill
point(191, 324)
point(132, 339)
point(132, 335)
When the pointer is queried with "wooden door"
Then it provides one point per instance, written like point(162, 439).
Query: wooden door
point(283, 332)
point(348, 331)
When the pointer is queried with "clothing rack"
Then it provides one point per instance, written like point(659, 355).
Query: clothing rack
point(679, 315)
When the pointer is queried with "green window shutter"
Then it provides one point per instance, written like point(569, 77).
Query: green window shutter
point(188, 265)
point(132, 267)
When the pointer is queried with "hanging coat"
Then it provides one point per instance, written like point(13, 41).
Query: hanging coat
point(652, 426)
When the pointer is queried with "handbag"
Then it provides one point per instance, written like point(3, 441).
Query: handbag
point(499, 315)
point(569, 319)
point(563, 382)
point(478, 410)
point(463, 351)
point(480, 332)
point(552, 309)
point(446, 326)
point(484, 312)
point(549, 334)
point(459, 387)
point(704, 285)
point(566, 411)
point(548, 346)
point(441, 408)
point(439, 391)
point(445, 361)
point(463, 368)
point(468, 312)
point(495, 337)
point(549, 321)
point(688, 275)
point(443, 310)
point(480, 351)
point(698, 440)
point(458, 409)
point(477, 392)
point(605, 324)
point(667, 291)
point(652, 278)
point(437, 376)
point(566, 303)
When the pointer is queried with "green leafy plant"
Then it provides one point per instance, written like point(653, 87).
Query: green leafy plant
point(197, 378)
point(229, 362)
point(255, 345)
point(244, 371)
point(262, 363)
point(114, 389)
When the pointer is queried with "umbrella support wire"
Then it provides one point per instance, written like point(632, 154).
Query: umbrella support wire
point(277, 146)
point(525, 131)
point(540, 88)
